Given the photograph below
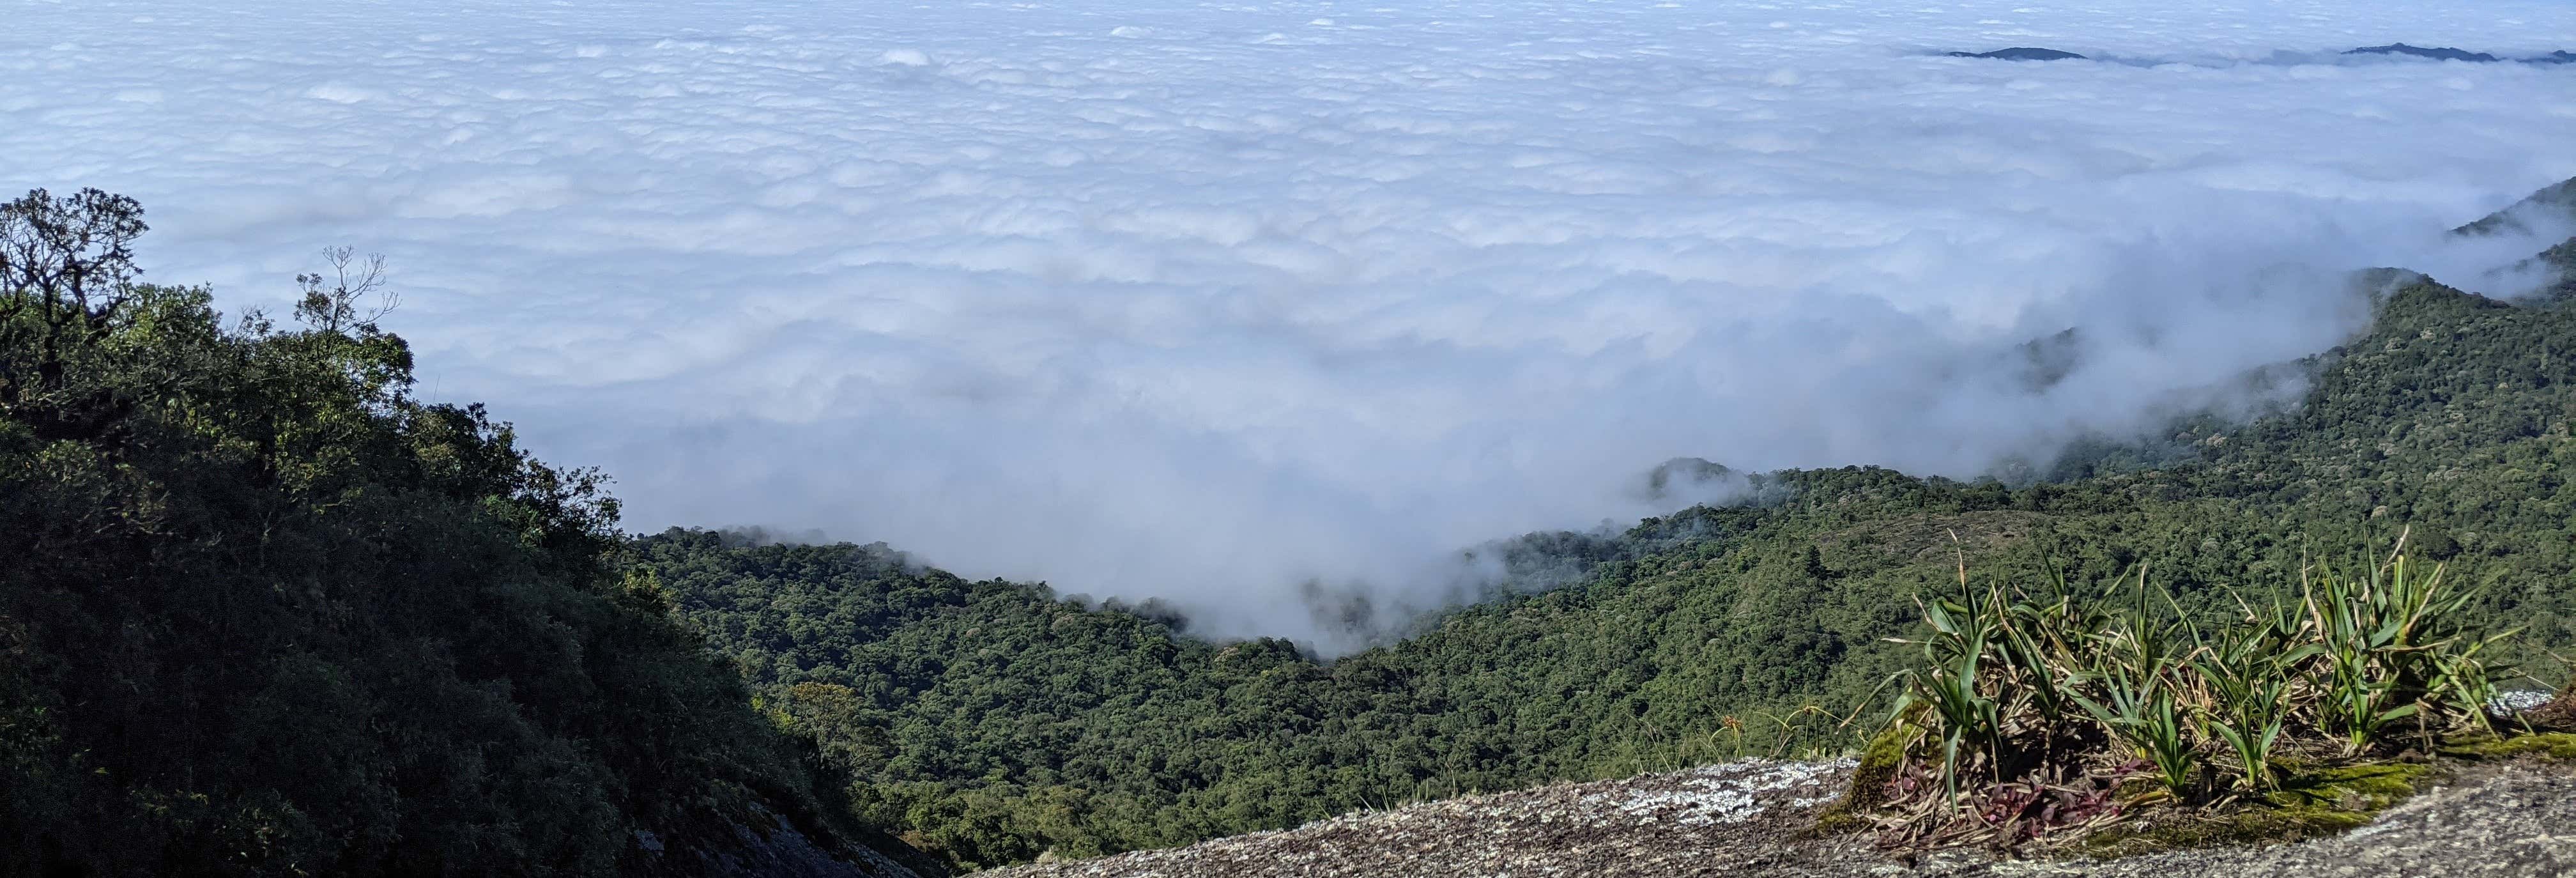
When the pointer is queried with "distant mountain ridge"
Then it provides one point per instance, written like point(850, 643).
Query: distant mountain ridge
point(2021, 53)
point(2446, 53)
point(2437, 53)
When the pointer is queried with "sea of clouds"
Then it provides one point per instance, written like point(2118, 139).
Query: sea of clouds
point(1214, 301)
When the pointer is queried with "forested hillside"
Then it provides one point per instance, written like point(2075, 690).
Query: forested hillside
point(263, 612)
point(996, 722)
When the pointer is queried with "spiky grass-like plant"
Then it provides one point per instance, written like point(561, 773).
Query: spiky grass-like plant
point(2038, 704)
point(2391, 650)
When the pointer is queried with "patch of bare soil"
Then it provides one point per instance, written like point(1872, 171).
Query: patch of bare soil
point(1747, 818)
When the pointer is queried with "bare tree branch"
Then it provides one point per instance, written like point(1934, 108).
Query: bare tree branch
point(333, 304)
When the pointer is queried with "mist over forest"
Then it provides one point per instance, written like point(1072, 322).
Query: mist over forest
point(1225, 306)
point(894, 441)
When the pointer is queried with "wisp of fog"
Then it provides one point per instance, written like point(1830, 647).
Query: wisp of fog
point(1220, 303)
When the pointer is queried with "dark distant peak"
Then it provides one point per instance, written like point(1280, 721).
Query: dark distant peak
point(2440, 53)
point(1693, 468)
point(2559, 57)
point(1672, 477)
point(2024, 53)
point(2048, 360)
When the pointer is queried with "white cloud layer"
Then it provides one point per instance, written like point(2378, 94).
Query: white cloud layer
point(1205, 300)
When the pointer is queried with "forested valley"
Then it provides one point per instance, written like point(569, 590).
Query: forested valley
point(996, 722)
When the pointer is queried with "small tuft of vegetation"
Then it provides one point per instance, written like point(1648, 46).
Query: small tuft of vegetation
point(2054, 711)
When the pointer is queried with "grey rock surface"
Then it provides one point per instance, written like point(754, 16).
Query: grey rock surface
point(1747, 818)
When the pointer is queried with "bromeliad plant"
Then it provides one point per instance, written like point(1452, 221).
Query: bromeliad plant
point(2039, 710)
point(2393, 652)
point(2250, 679)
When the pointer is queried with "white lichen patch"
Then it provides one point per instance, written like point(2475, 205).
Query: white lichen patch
point(2516, 701)
point(1729, 793)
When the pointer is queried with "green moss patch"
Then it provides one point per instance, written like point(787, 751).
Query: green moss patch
point(2361, 789)
point(1868, 789)
point(2313, 801)
point(2549, 745)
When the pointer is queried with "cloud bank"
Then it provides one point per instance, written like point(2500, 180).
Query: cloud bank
point(1216, 303)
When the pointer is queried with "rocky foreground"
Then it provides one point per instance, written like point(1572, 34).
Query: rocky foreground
point(1746, 818)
